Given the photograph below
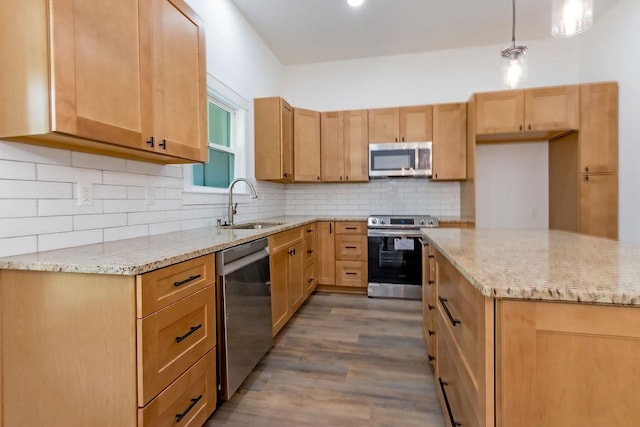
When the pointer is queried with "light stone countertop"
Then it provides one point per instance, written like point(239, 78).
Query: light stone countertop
point(144, 254)
point(543, 265)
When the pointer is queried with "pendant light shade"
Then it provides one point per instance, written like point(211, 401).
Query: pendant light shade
point(514, 69)
point(571, 17)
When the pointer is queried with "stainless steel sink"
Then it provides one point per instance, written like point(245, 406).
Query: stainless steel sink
point(257, 225)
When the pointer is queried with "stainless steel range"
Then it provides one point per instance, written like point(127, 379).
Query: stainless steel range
point(395, 255)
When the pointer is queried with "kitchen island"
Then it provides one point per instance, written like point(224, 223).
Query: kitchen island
point(533, 328)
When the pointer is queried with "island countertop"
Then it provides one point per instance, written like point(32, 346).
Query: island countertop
point(543, 265)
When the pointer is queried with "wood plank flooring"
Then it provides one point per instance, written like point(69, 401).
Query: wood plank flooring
point(342, 360)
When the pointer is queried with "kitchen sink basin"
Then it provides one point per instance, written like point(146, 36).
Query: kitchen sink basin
point(258, 225)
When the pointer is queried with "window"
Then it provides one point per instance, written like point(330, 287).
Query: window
point(226, 121)
point(219, 171)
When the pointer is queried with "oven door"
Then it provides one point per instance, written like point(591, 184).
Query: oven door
point(395, 257)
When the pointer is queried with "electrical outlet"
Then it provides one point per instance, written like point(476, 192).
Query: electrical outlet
point(85, 194)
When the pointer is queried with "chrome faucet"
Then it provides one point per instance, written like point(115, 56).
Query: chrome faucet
point(233, 209)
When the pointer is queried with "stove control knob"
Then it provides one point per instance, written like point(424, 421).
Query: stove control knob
point(421, 222)
point(374, 220)
point(382, 221)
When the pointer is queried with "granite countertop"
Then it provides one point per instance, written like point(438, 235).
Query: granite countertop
point(543, 265)
point(144, 254)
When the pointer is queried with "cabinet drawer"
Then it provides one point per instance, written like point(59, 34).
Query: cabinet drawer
point(351, 273)
point(351, 227)
point(309, 244)
point(309, 278)
point(192, 398)
point(160, 288)
point(452, 382)
point(172, 339)
point(285, 239)
point(351, 247)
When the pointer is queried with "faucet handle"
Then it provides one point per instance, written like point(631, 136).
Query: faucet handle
point(235, 208)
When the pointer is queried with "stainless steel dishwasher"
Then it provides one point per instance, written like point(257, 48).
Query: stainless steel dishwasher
point(244, 333)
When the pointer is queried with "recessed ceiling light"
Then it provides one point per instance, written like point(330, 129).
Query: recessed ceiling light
point(355, 3)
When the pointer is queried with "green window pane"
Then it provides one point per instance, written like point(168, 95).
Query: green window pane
point(219, 125)
point(198, 174)
point(217, 173)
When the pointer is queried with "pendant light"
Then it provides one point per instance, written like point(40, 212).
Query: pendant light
point(514, 69)
point(571, 17)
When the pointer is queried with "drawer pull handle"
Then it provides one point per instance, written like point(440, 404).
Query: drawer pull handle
point(187, 280)
point(431, 332)
point(431, 282)
point(191, 330)
point(431, 358)
point(193, 403)
point(310, 280)
point(310, 230)
point(163, 144)
point(454, 423)
point(349, 273)
point(432, 256)
point(309, 251)
point(431, 307)
point(452, 319)
point(351, 228)
point(351, 247)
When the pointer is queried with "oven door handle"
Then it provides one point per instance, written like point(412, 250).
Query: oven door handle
point(394, 233)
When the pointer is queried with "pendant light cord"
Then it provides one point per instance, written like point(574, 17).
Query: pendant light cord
point(513, 25)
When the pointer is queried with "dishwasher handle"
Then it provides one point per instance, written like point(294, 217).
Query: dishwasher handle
point(243, 262)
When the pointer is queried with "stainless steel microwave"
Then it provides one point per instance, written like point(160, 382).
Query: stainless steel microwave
point(400, 159)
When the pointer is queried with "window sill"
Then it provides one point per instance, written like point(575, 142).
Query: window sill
point(211, 196)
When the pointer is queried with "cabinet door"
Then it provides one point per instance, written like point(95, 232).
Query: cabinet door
point(325, 261)
point(416, 123)
point(552, 108)
point(384, 125)
point(599, 205)
point(179, 81)
point(101, 71)
point(450, 141)
point(332, 147)
point(287, 140)
point(280, 311)
point(296, 275)
point(306, 145)
point(356, 145)
point(273, 136)
point(599, 128)
point(499, 112)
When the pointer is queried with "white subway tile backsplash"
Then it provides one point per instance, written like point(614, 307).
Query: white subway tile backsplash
point(94, 161)
point(136, 218)
point(48, 242)
point(67, 207)
point(123, 178)
point(165, 205)
point(18, 245)
point(29, 226)
point(144, 168)
point(136, 192)
point(67, 174)
point(164, 181)
point(17, 170)
point(101, 191)
point(114, 206)
point(165, 227)
point(128, 232)
point(34, 153)
point(175, 171)
point(16, 208)
point(35, 190)
point(99, 221)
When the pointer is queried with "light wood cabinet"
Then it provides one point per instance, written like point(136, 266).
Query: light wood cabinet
point(310, 279)
point(450, 141)
point(81, 336)
point(306, 145)
point(105, 78)
point(286, 263)
point(530, 114)
point(351, 254)
point(429, 298)
point(583, 167)
point(273, 128)
point(566, 364)
point(344, 146)
point(326, 253)
point(405, 124)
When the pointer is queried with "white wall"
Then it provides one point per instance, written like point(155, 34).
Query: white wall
point(512, 185)
point(37, 207)
point(431, 78)
point(609, 51)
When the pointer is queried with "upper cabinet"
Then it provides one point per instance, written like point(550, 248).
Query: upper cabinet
point(450, 141)
point(123, 78)
point(273, 126)
point(406, 124)
point(599, 128)
point(344, 146)
point(530, 114)
point(306, 145)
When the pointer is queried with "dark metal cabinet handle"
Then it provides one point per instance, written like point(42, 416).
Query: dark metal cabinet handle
point(431, 358)
point(347, 178)
point(284, 175)
point(349, 273)
point(431, 282)
point(529, 126)
point(586, 177)
point(452, 319)
point(191, 330)
point(454, 423)
point(318, 178)
point(309, 230)
point(150, 141)
point(310, 280)
point(292, 252)
point(187, 280)
point(586, 169)
point(330, 227)
point(432, 256)
point(396, 139)
point(351, 228)
point(431, 332)
point(163, 144)
point(403, 139)
point(351, 247)
point(184, 413)
point(309, 251)
point(340, 177)
point(431, 307)
point(520, 127)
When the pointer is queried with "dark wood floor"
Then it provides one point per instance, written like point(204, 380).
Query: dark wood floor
point(342, 360)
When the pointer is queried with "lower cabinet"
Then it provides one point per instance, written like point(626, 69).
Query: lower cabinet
point(342, 254)
point(105, 350)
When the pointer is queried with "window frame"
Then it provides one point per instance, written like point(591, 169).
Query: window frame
point(226, 98)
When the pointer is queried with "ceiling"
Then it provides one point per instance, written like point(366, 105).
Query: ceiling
point(306, 31)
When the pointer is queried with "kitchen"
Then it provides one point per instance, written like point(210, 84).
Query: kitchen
point(40, 213)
